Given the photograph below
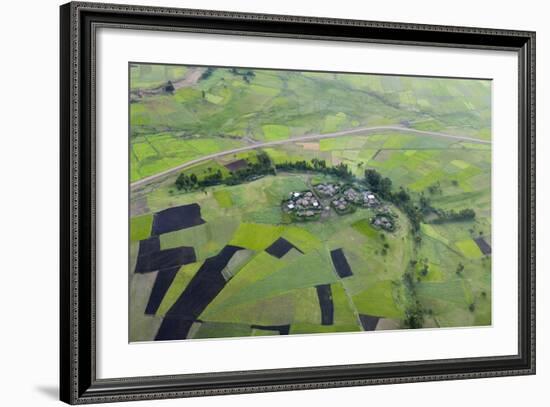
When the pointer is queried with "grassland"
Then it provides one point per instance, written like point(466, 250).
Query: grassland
point(147, 76)
point(274, 105)
point(451, 277)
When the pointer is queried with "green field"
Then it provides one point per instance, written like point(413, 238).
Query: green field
point(276, 105)
point(436, 270)
point(144, 76)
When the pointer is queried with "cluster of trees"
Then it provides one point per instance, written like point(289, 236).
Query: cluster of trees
point(415, 212)
point(453, 216)
point(206, 74)
point(190, 182)
point(435, 188)
point(341, 170)
point(425, 203)
point(378, 184)
point(211, 179)
point(186, 182)
point(246, 75)
point(251, 171)
point(402, 199)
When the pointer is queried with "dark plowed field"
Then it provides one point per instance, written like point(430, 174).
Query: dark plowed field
point(164, 259)
point(368, 322)
point(324, 293)
point(236, 165)
point(149, 245)
point(180, 217)
point(340, 263)
point(280, 247)
point(173, 329)
point(162, 283)
point(201, 290)
point(483, 245)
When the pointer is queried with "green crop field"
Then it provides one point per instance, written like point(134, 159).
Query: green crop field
point(275, 131)
point(237, 143)
point(140, 227)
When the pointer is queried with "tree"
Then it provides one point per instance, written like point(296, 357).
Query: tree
point(385, 187)
point(459, 268)
point(424, 203)
point(434, 188)
point(206, 74)
point(425, 270)
point(414, 316)
point(402, 196)
point(467, 214)
point(373, 178)
point(183, 182)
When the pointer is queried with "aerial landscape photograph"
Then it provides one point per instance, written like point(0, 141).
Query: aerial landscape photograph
point(279, 202)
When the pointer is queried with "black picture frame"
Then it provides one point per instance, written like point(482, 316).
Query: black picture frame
point(78, 382)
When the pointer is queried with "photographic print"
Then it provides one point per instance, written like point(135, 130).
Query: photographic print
point(281, 202)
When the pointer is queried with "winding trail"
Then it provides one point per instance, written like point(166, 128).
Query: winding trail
point(357, 131)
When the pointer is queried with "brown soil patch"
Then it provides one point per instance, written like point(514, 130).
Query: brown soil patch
point(385, 324)
point(309, 146)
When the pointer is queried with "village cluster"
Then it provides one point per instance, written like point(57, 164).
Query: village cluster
point(308, 205)
point(303, 205)
point(345, 197)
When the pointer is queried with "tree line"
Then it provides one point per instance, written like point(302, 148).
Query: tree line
point(415, 212)
point(453, 216)
point(250, 172)
point(341, 170)
point(402, 199)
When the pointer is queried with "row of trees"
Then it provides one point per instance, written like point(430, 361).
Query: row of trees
point(341, 170)
point(414, 311)
point(251, 171)
point(453, 216)
point(415, 212)
point(262, 167)
point(191, 182)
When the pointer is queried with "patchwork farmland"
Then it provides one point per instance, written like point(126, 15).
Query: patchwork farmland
point(393, 175)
